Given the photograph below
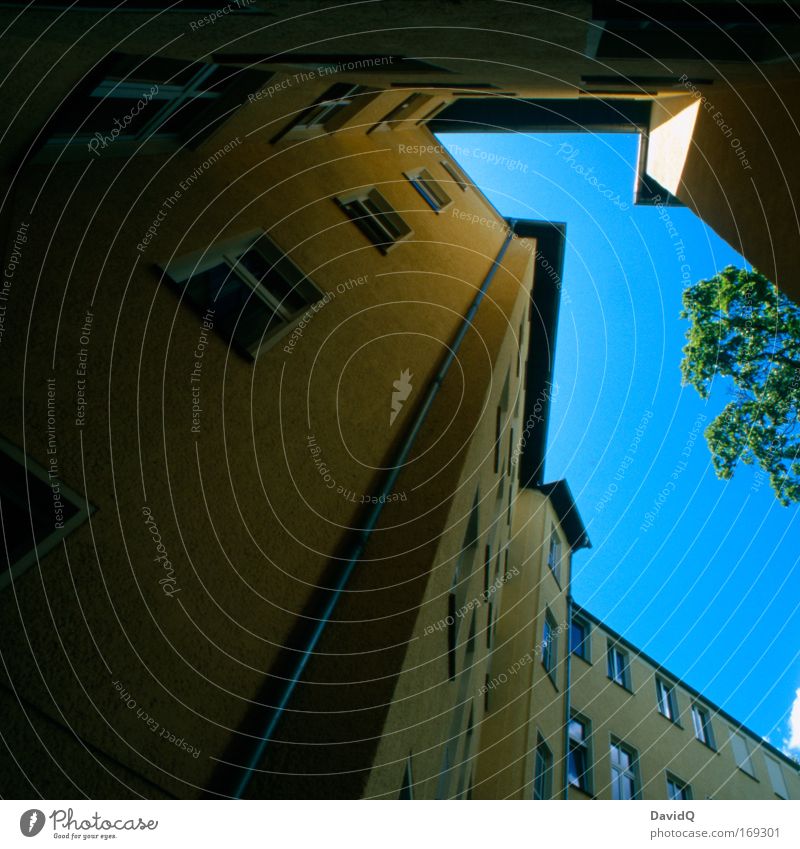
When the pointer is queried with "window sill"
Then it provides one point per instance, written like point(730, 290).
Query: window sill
point(586, 660)
point(550, 677)
point(671, 721)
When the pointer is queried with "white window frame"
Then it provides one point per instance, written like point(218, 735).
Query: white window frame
point(680, 787)
point(429, 189)
point(667, 699)
point(613, 650)
point(776, 777)
point(743, 758)
point(48, 543)
point(618, 772)
point(554, 553)
point(586, 745)
point(371, 195)
point(229, 251)
point(701, 720)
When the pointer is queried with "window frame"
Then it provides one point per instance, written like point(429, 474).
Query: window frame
point(774, 762)
point(453, 172)
point(586, 746)
point(555, 553)
point(550, 646)
point(586, 642)
point(543, 778)
point(230, 251)
point(749, 752)
point(626, 683)
point(429, 189)
point(681, 786)
point(703, 715)
point(373, 195)
point(632, 771)
point(41, 548)
point(667, 698)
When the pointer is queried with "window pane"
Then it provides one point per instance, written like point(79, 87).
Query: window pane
point(273, 280)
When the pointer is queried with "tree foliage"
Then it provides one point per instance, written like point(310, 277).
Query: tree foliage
point(744, 329)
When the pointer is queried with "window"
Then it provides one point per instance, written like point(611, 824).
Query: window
point(433, 194)
point(624, 780)
point(549, 645)
point(666, 700)
point(497, 435)
point(703, 729)
point(249, 287)
point(456, 176)
point(401, 112)
point(375, 217)
point(407, 786)
point(776, 777)
point(36, 511)
point(460, 584)
point(487, 569)
point(334, 101)
point(133, 99)
point(579, 637)
point(542, 771)
point(578, 761)
point(677, 789)
point(490, 626)
point(554, 554)
point(742, 754)
point(618, 666)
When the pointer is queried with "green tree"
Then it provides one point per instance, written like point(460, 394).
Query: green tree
point(744, 329)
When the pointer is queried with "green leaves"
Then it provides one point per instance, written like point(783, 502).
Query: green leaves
point(744, 330)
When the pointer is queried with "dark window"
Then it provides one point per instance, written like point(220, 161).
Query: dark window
point(543, 771)
point(579, 638)
point(253, 288)
point(677, 789)
point(703, 730)
point(376, 218)
point(618, 667)
point(36, 511)
point(578, 756)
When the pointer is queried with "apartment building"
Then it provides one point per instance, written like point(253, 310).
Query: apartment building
point(266, 374)
point(576, 711)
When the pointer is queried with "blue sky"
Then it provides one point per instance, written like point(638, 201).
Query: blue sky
point(702, 574)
